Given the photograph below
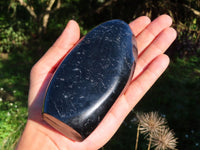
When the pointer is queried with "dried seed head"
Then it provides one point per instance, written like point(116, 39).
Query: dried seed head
point(165, 140)
point(150, 123)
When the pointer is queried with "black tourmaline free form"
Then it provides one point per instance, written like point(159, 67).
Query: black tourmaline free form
point(89, 79)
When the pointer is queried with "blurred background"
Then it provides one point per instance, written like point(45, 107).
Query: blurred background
point(28, 28)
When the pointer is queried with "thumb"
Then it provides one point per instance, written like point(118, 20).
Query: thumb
point(44, 68)
point(63, 44)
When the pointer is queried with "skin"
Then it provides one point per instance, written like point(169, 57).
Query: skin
point(153, 38)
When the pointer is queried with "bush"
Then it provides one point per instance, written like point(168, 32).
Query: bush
point(11, 38)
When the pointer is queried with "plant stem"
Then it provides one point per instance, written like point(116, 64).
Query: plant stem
point(149, 146)
point(137, 138)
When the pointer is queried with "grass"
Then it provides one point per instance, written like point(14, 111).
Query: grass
point(13, 117)
point(13, 98)
point(175, 95)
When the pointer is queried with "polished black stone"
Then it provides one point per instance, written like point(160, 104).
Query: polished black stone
point(89, 79)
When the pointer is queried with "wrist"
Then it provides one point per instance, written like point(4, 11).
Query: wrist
point(33, 138)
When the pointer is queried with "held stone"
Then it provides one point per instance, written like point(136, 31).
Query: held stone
point(90, 79)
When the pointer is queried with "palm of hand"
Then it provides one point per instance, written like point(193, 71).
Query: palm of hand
point(153, 38)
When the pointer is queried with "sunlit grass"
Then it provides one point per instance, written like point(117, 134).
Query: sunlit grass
point(14, 79)
point(13, 117)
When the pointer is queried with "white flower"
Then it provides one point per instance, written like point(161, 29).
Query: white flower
point(8, 113)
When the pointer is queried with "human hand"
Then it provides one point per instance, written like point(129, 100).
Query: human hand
point(153, 38)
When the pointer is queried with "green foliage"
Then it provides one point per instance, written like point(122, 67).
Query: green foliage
point(11, 38)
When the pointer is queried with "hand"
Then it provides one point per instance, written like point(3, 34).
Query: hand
point(153, 38)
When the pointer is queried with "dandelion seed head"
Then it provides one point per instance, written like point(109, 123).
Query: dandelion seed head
point(150, 122)
point(165, 140)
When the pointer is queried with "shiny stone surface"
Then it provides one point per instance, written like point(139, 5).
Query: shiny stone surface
point(90, 79)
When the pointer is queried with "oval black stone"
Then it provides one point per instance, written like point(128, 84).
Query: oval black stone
point(89, 79)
